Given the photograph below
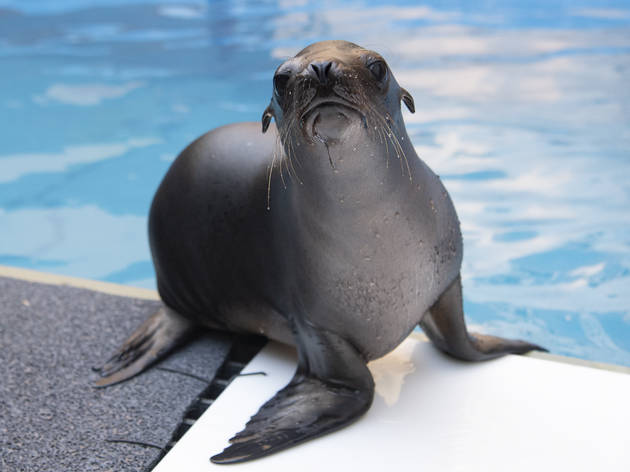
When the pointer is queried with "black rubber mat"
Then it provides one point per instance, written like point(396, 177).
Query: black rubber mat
point(52, 419)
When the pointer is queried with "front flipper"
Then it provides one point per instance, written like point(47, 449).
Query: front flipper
point(331, 388)
point(445, 326)
point(155, 338)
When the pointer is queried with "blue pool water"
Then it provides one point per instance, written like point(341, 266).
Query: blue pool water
point(523, 108)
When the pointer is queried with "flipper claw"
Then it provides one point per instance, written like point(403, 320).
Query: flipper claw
point(331, 388)
point(158, 335)
point(445, 326)
point(305, 409)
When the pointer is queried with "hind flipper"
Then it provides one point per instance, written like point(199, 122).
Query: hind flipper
point(445, 326)
point(331, 388)
point(155, 338)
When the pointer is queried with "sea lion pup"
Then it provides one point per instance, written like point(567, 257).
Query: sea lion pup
point(350, 245)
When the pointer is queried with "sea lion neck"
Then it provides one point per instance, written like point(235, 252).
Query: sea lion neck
point(350, 176)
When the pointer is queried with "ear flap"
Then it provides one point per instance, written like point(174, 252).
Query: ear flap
point(408, 99)
point(266, 118)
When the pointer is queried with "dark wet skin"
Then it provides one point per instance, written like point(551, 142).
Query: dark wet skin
point(326, 232)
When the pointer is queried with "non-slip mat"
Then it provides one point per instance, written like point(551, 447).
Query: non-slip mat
point(51, 418)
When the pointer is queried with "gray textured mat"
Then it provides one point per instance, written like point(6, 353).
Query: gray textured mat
point(51, 419)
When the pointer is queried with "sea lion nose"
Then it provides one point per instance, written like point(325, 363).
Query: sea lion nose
point(321, 70)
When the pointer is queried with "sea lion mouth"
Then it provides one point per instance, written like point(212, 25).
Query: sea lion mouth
point(327, 119)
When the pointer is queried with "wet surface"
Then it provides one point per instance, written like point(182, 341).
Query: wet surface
point(523, 109)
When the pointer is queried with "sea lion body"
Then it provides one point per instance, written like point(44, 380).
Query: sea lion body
point(367, 266)
point(326, 232)
point(213, 201)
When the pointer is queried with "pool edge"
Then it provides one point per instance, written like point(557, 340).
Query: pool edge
point(147, 294)
point(30, 275)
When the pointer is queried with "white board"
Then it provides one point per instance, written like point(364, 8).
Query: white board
point(433, 413)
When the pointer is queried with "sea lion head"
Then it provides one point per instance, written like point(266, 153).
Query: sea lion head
point(332, 91)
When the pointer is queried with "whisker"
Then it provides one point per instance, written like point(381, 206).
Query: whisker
point(402, 152)
point(393, 139)
point(289, 158)
point(270, 167)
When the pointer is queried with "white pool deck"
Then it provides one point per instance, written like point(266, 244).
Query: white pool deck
point(520, 413)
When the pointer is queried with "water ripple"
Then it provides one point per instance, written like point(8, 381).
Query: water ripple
point(522, 108)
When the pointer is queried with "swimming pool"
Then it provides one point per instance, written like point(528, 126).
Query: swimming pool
point(523, 109)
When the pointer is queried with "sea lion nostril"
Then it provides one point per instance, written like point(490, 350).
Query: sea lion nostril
point(321, 71)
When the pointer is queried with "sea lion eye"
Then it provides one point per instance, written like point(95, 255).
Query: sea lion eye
point(378, 70)
point(280, 82)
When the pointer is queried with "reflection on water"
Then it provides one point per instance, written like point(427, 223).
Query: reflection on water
point(522, 109)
